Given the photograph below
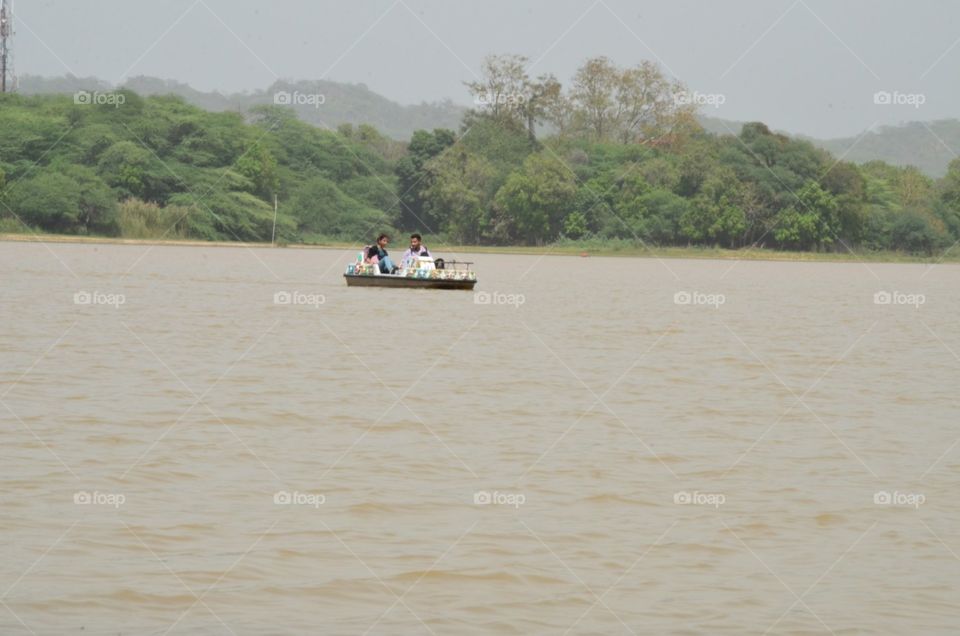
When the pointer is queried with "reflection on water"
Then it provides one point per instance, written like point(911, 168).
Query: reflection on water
point(592, 446)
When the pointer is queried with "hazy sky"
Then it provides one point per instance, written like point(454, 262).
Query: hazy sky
point(808, 66)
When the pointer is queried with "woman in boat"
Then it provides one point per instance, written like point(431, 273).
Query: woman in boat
point(377, 255)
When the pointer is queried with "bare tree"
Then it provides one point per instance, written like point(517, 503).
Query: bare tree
point(634, 104)
point(593, 97)
point(504, 87)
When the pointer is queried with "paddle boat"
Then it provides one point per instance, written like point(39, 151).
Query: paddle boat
point(424, 273)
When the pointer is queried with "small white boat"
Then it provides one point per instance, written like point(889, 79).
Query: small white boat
point(424, 275)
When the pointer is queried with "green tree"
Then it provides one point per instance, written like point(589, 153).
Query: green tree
point(916, 232)
point(575, 225)
point(228, 216)
point(96, 203)
point(538, 198)
point(258, 165)
point(716, 214)
point(460, 194)
point(629, 217)
point(321, 210)
point(948, 198)
point(412, 176)
point(847, 184)
point(811, 223)
point(124, 166)
point(663, 213)
point(46, 200)
point(67, 200)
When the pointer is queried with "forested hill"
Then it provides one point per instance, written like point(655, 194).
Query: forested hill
point(929, 146)
point(341, 103)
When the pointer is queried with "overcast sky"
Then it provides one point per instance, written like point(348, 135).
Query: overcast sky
point(807, 66)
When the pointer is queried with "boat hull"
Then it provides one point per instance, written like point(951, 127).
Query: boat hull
point(388, 280)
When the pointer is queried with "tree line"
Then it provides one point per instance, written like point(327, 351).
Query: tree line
point(159, 168)
point(616, 155)
point(619, 155)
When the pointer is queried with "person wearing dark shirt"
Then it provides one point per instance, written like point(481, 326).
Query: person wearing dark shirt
point(379, 250)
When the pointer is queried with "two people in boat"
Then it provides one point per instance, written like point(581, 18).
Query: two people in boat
point(377, 254)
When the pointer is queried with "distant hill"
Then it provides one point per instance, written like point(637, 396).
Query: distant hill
point(929, 146)
point(720, 126)
point(36, 85)
point(322, 103)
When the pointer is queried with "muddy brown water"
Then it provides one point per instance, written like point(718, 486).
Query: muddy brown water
point(205, 440)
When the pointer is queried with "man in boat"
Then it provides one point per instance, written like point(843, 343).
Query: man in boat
point(416, 250)
point(377, 253)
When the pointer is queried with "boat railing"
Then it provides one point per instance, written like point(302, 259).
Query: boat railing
point(455, 265)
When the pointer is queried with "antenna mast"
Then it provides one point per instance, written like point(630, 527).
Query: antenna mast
point(6, 34)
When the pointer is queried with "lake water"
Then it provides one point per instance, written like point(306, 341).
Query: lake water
point(585, 446)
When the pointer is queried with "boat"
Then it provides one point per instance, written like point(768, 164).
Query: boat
point(423, 275)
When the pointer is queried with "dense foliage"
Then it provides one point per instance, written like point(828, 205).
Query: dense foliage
point(626, 160)
point(616, 156)
point(157, 167)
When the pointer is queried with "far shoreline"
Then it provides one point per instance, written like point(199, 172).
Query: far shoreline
point(681, 253)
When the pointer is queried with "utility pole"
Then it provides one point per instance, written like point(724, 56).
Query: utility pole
point(6, 34)
point(273, 235)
